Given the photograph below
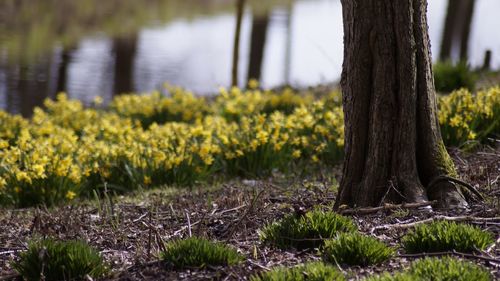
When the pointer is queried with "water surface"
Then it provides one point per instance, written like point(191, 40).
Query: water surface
point(91, 47)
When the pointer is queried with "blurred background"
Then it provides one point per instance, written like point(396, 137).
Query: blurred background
point(91, 48)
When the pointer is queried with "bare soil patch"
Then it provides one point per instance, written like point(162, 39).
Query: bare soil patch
point(130, 231)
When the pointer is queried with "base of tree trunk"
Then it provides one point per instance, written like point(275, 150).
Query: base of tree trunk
point(393, 144)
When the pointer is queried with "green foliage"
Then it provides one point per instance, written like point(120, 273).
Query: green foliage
point(435, 269)
point(199, 252)
point(51, 191)
point(394, 277)
point(446, 236)
point(306, 232)
point(314, 271)
point(448, 268)
point(356, 249)
point(449, 77)
point(55, 260)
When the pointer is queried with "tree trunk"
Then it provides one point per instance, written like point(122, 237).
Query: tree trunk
point(257, 45)
point(125, 49)
point(456, 30)
point(467, 22)
point(288, 44)
point(62, 72)
point(449, 30)
point(393, 144)
point(236, 43)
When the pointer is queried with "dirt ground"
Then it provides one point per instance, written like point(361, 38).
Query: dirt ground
point(130, 231)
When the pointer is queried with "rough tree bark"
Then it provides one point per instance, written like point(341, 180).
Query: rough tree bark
point(393, 144)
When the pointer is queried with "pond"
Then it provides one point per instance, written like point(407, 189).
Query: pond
point(88, 47)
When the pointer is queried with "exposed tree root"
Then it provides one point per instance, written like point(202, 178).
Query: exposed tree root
point(457, 181)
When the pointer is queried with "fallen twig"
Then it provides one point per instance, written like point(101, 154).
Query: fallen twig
point(141, 217)
point(489, 154)
point(159, 240)
point(232, 209)
point(259, 265)
point(490, 248)
point(8, 252)
point(227, 229)
point(450, 253)
point(114, 251)
point(12, 276)
point(365, 211)
point(184, 228)
point(150, 234)
point(412, 224)
point(189, 224)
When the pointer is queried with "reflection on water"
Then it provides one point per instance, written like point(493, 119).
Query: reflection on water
point(88, 48)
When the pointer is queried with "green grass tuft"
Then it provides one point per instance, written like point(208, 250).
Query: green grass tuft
point(314, 271)
point(449, 77)
point(448, 268)
point(306, 232)
point(356, 249)
point(436, 269)
point(446, 236)
point(199, 252)
point(60, 260)
point(393, 277)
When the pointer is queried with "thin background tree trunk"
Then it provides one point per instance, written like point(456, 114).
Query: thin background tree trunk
point(257, 45)
point(464, 44)
point(236, 46)
point(456, 32)
point(125, 49)
point(448, 30)
point(62, 72)
point(288, 47)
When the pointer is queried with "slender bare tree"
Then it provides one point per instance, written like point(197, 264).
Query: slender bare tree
point(240, 4)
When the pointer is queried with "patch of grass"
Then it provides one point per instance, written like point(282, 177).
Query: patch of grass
point(449, 77)
point(446, 236)
point(438, 269)
point(314, 271)
point(393, 277)
point(356, 249)
point(199, 252)
point(60, 260)
point(448, 268)
point(307, 231)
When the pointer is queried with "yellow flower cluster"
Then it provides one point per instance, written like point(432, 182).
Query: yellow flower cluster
point(179, 106)
point(234, 103)
point(10, 126)
point(66, 150)
point(466, 117)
